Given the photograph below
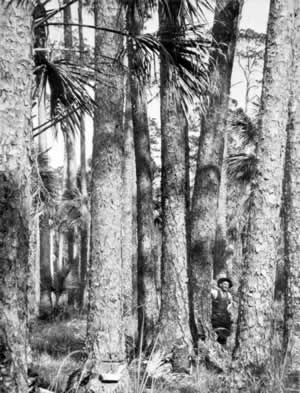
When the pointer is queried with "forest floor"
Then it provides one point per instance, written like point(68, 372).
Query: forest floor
point(58, 351)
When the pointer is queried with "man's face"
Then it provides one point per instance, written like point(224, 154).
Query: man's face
point(224, 286)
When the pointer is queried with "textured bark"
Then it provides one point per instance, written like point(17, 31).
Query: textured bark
point(15, 110)
point(105, 339)
point(209, 163)
point(84, 233)
point(129, 198)
point(254, 335)
point(291, 220)
point(34, 267)
point(220, 267)
point(147, 300)
point(174, 313)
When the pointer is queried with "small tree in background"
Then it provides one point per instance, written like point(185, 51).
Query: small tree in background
point(250, 56)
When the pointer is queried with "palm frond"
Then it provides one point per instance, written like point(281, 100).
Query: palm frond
point(44, 182)
point(241, 167)
point(143, 7)
point(69, 96)
point(191, 10)
point(245, 126)
point(18, 3)
point(187, 52)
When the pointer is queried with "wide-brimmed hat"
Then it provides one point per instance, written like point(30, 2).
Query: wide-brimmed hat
point(223, 279)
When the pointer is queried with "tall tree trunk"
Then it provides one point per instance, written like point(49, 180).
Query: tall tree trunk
point(40, 39)
point(44, 226)
point(209, 163)
point(147, 300)
point(220, 267)
point(254, 332)
point(105, 339)
point(291, 220)
point(34, 296)
point(83, 179)
point(71, 167)
point(129, 198)
point(15, 201)
point(174, 314)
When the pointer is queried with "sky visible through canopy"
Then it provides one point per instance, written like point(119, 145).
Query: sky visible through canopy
point(254, 16)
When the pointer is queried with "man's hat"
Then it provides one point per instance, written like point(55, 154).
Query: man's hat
point(223, 279)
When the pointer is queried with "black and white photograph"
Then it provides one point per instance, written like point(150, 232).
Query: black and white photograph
point(149, 196)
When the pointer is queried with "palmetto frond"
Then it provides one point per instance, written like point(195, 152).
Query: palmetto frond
point(193, 10)
point(246, 127)
point(143, 6)
point(69, 96)
point(241, 167)
point(44, 182)
point(187, 53)
point(185, 47)
point(189, 60)
point(17, 3)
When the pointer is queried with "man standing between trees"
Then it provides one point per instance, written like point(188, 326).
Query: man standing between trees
point(221, 306)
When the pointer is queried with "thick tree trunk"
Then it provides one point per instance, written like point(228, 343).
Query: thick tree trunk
point(174, 314)
point(220, 267)
point(254, 334)
point(209, 163)
point(105, 339)
point(15, 110)
point(291, 220)
point(129, 199)
point(147, 300)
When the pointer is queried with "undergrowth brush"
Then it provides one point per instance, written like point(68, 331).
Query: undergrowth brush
point(58, 351)
point(58, 338)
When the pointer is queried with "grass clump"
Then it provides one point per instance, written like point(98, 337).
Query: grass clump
point(58, 339)
point(54, 372)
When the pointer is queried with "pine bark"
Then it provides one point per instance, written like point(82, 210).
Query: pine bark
point(174, 313)
point(147, 300)
point(220, 266)
point(128, 226)
point(105, 337)
point(84, 232)
point(209, 163)
point(291, 222)
point(254, 331)
point(34, 266)
point(15, 109)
